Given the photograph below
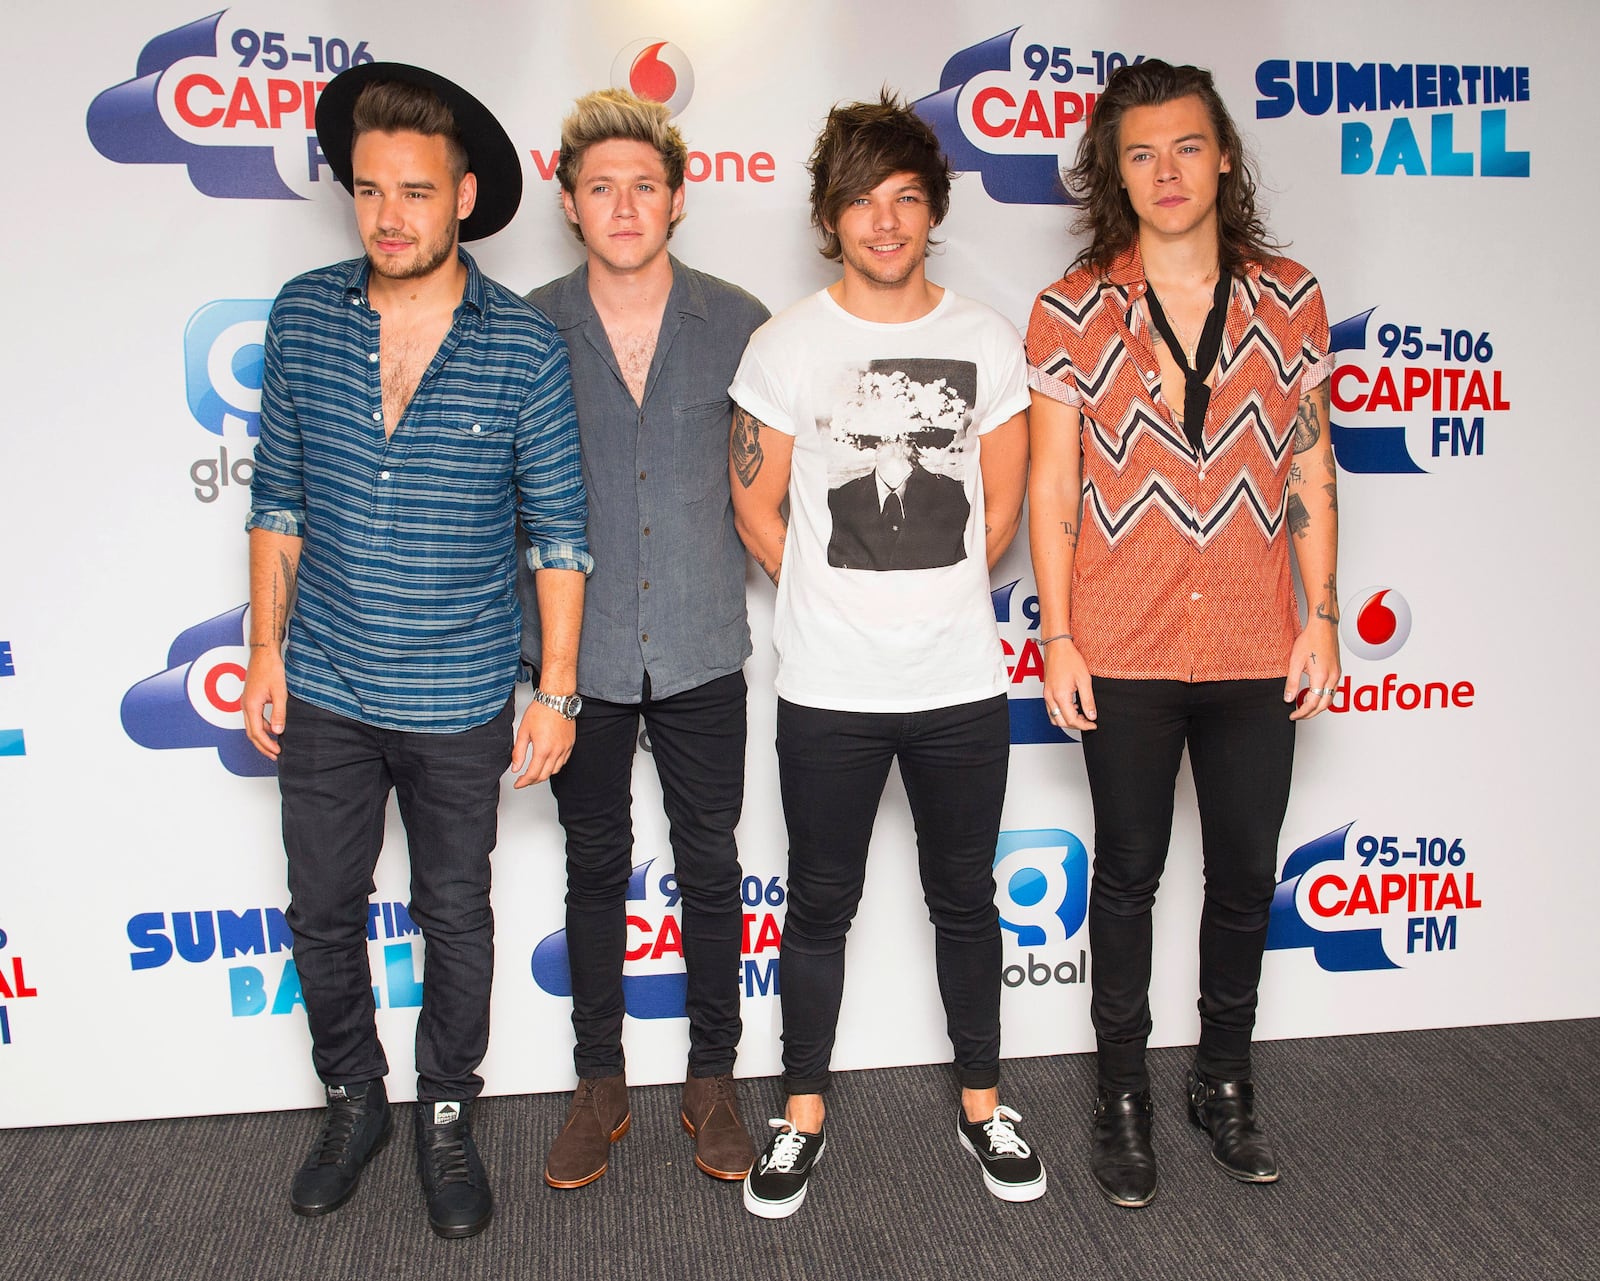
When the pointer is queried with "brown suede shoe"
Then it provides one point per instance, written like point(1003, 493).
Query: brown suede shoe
point(599, 1116)
point(722, 1147)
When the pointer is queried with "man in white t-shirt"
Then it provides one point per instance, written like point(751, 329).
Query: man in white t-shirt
point(891, 415)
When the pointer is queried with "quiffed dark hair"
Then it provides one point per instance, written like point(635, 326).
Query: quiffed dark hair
point(864, 143)
point(1095, 179)
point(392, 106)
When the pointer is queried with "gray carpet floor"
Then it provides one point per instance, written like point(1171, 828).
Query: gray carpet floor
point(1460, 1154)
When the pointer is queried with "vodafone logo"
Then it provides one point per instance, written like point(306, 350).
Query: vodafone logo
point(1376, 623)
point(655, 69)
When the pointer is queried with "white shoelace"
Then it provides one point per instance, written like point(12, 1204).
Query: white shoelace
point(787, 1147)
point(1003, 1139)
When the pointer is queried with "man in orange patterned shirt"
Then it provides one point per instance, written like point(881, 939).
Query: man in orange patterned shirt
point(1178, 429)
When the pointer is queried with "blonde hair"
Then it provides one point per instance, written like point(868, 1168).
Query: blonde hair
point(609, 114)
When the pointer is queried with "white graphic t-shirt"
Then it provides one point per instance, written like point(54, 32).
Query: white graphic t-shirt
point(883, 603)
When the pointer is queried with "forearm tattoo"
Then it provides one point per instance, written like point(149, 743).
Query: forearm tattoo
point(1299, 519)
point(745, 449)
point(282, 595)
point(1328, 606)
point(1307, 425)
point(1071, 532)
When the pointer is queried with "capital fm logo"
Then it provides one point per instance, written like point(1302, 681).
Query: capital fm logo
point(657, 70)
point(654, 982)
point(1405, 388)
point(196, 701)
point(1375, 900)
point(1016, 612)
point(1012, 109)
point(231, 101)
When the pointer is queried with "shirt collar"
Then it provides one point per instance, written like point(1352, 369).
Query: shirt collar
point(1126, 271)
point(474, 295)
point(574, 307)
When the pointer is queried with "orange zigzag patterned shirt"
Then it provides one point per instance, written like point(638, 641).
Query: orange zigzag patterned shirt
point(1182, 566)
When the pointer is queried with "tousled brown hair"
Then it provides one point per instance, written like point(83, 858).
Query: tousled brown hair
point(1095, 179)
point(864, 143)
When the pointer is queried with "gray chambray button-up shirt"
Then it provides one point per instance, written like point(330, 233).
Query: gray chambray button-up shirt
point(667, 592)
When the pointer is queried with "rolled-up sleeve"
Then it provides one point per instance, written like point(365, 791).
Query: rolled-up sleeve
point(551, 500)
point(277, 486)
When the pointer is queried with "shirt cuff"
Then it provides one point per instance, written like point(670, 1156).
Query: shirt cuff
point(1053, 387)
point(285, 520)
point(1318, 374)
point(559, 556)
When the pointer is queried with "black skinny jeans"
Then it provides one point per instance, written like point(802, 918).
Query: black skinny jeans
point(832, 766)
point(1241, 751)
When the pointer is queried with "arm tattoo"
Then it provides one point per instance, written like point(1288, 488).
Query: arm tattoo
point(1307, 430)
point(745, 447)
point(1295, 474)
point(1333, 497)
point(1299, 518)
point(1328, 607)
point(1071, 532)
point(284, 582)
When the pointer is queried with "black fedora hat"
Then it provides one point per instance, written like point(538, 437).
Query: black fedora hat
point(490, 153)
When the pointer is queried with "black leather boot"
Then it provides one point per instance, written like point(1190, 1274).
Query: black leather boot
point(1121, 1158)
point(1226, 1110)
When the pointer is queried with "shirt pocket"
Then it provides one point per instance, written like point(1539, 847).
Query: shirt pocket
point(468, 451)
point(700, 449)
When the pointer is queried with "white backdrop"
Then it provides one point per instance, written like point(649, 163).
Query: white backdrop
point(1426, 163)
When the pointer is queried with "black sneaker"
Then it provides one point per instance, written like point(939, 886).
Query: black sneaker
point(459, 1201)
point(776, 1184)
point(1011, 1170)
point(355, 1127)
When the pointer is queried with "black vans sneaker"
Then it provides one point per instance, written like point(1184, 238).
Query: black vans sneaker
point(1012, 1170)
point(776, 1184)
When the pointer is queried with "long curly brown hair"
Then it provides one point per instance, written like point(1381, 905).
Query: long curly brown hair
point(1095, 179)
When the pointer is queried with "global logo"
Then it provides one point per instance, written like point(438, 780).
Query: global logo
point(236, 108)
point(196, 701)
point(1375, 903)
point(654, 982)
point(224, 354)
point(657, 70)
point(12, 741)
point(1012, 109)
point(1376, 623)
point(1041, 878)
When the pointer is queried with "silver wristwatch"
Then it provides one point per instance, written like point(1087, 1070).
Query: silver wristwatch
point(568, 705)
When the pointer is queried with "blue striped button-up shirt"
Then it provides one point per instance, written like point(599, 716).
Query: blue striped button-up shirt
point(406, 615)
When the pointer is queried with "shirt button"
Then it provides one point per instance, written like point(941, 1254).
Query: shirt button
point(645, 637)
point(647, 584)
point(477, 427)
point(383, 475)
point(1194, 595)
point(377, 415)
point(372, 356)
point(1202, 475)
point(647, 531)
point(641, 475)
point(1150, 375)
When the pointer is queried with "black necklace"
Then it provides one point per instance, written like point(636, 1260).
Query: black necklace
point(1196, 395)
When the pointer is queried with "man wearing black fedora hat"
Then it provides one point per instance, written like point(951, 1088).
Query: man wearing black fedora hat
point(413, 413)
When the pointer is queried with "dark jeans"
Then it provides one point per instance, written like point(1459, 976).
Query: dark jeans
point(1241, 751)
point(697, 739)
point(831, 768)
point(335, 775)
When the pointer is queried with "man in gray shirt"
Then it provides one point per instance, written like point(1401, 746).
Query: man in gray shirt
point(654, 346)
